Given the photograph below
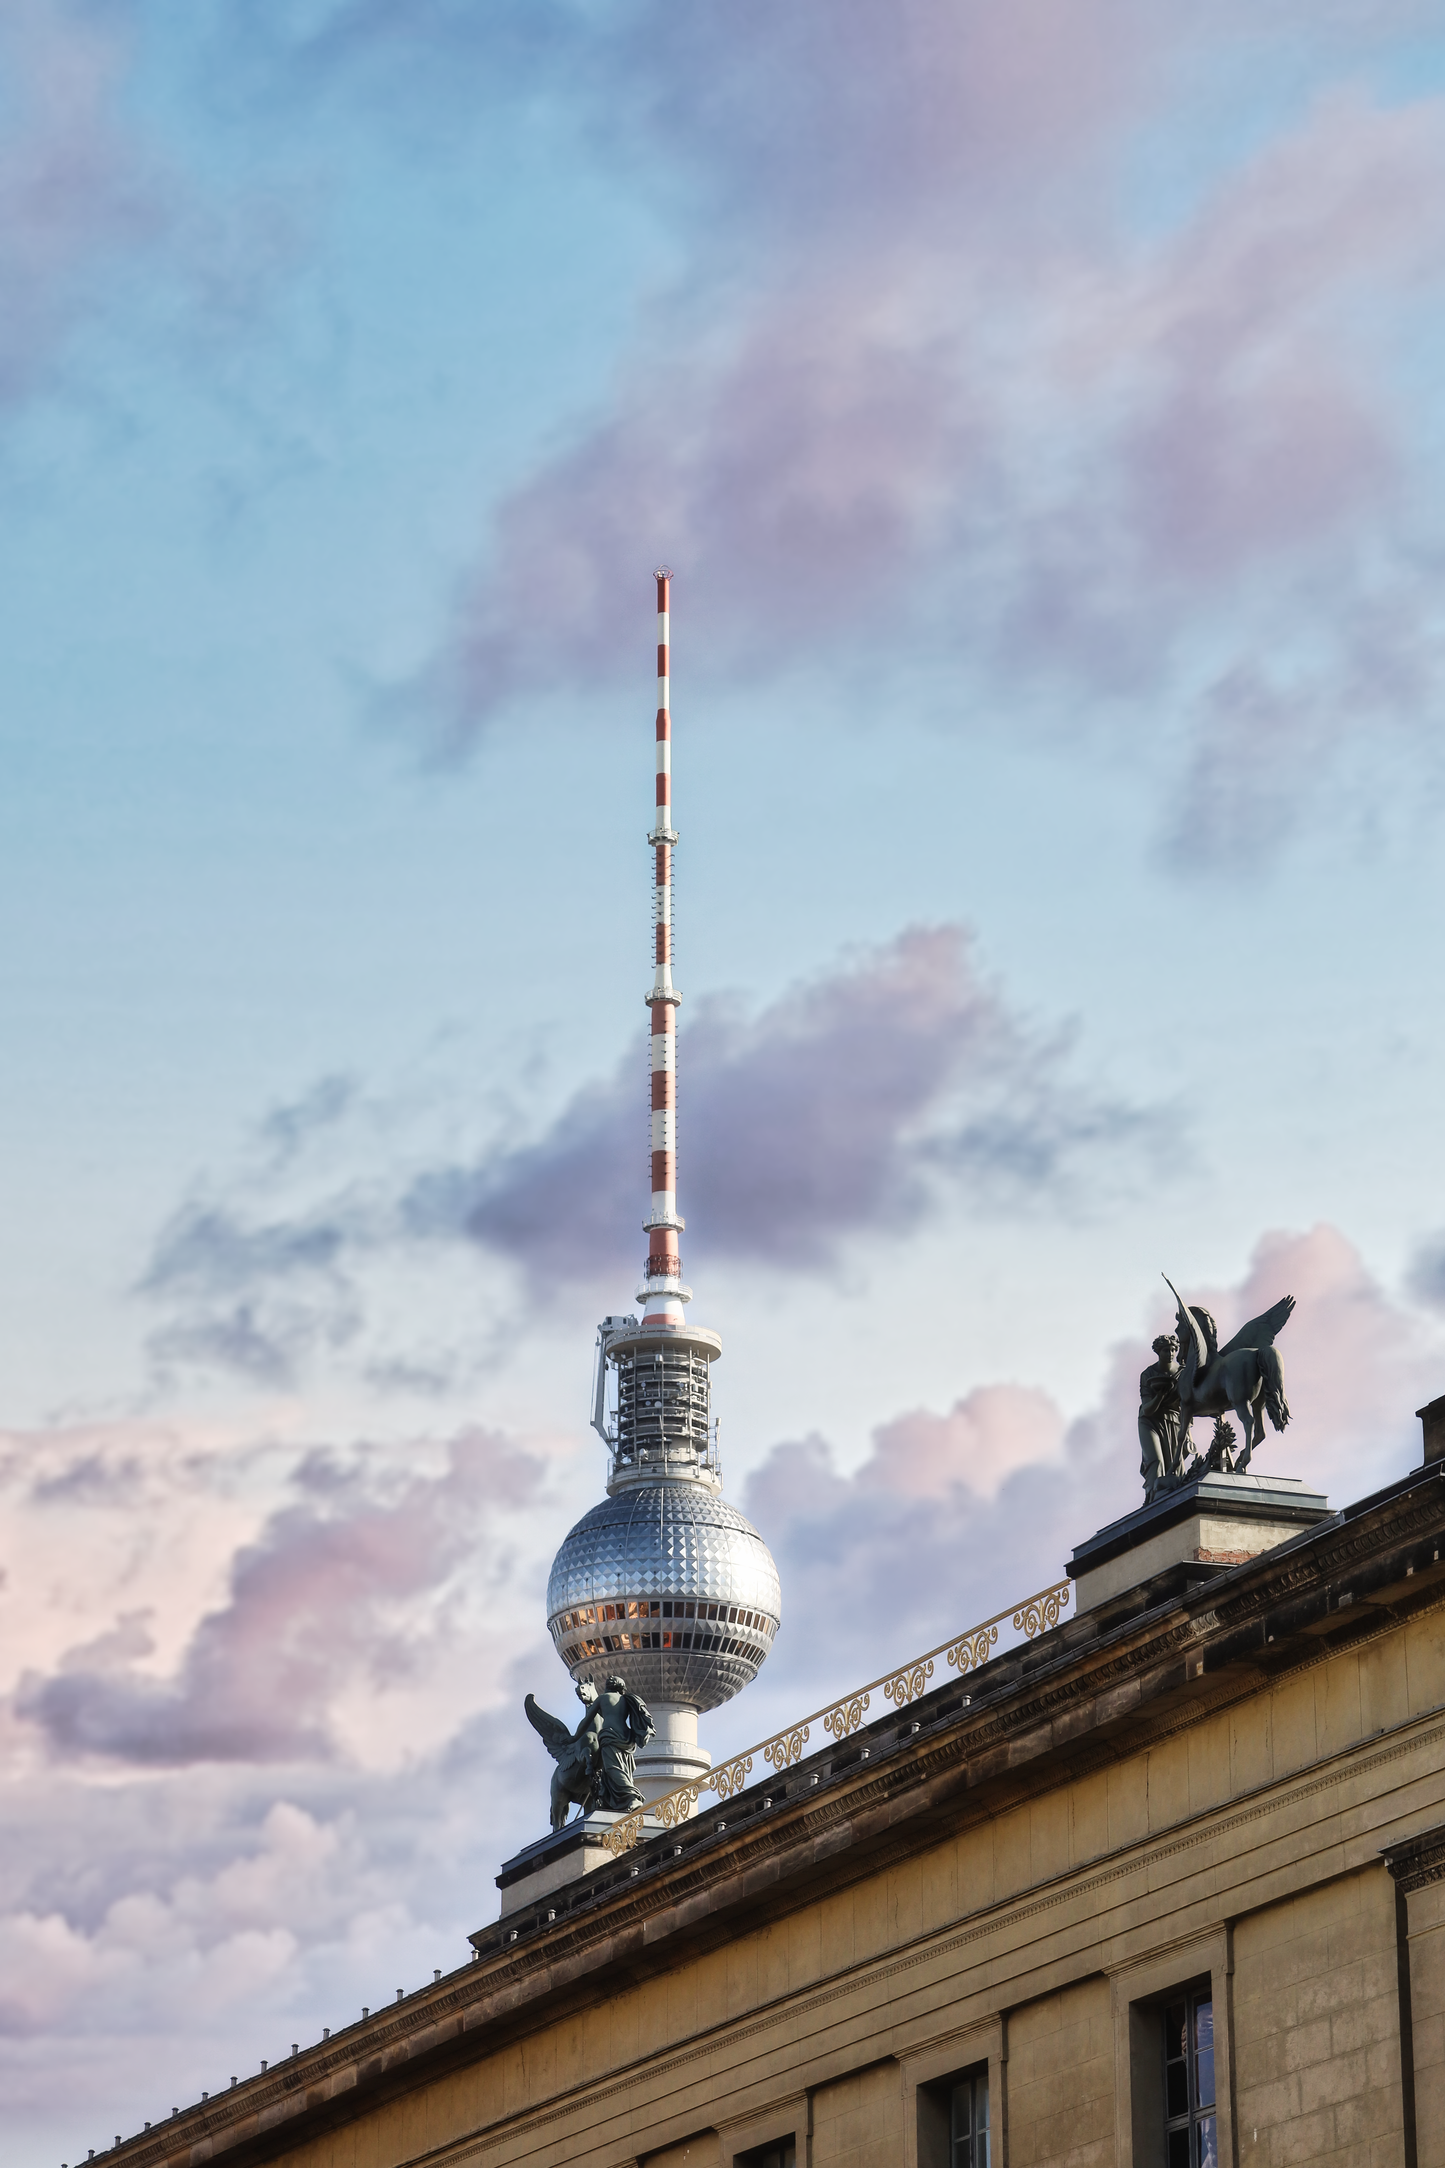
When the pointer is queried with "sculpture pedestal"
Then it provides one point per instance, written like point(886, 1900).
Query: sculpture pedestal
point(1215, 1521)
point(563, 1856)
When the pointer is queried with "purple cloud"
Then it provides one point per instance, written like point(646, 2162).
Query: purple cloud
point(75, 191)
point(940, 362)
point(838, 1112)
point(1082, 467)
point(852, 1108)
point(1427, 1273)
point(1170, 473)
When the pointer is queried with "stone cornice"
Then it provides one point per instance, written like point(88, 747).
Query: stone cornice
point(1419, 1861)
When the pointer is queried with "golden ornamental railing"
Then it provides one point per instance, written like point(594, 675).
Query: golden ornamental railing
point(965, 1652)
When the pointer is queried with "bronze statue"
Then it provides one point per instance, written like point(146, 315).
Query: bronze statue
point(1159, 1451)
point(595, 1765)
point(622, 1724)
point(575, 1754)
point(1244, 1375)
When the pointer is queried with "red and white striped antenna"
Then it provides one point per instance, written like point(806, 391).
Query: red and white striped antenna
point(663, 1293)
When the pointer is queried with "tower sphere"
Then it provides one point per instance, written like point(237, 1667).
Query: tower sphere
point(669, 1584)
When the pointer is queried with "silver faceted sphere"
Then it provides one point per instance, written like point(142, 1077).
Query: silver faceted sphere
point(669, 1585)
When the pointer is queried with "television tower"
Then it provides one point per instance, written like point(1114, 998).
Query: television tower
point(664, 1581)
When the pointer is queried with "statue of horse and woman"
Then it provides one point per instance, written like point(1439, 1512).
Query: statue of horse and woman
point(595, 1763)
point(1243, 1377)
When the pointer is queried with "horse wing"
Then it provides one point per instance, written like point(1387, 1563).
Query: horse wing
point(1188, 1322)
point(555, 1736)
point(1260, 1331)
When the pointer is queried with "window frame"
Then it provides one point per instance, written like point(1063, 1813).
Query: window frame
point(748, 2139)
point(1141, 1990)
point(931, 2071)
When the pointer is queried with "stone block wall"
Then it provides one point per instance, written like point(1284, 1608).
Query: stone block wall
point(1061, 2080)
point(858, 2121)
point(1317, 2028)
point(1427, 1999)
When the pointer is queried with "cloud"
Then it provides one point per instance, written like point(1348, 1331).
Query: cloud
point(831, 1115)
point(205, 1254)
point(1016, 339)
point(1013, 338)
point(819, 115)
point(1174, 470)
point(187, 1888)
point(1426, 1277)
point(338, 1587)
point(854, 1108)
point(92, 1478)
point(953, 1517)
point(75, 189)
point(1080, 462)
point(982, 1440)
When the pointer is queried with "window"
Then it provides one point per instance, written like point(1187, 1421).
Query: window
point(1191, 2129)
point(782, 2155)
point(968, 2122)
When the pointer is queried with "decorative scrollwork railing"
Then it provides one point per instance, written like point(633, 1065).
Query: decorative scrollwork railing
point(965, 1652)
point(1041, 1612)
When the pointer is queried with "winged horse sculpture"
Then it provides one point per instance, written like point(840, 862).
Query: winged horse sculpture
point(1243, 1375)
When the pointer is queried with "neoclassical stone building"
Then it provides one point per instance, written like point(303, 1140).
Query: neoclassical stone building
point(1164, 1884)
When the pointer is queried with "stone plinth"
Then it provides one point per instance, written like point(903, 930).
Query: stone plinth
point(1217, 1520)
point(561, 1857)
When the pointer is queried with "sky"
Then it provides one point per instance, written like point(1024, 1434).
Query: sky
point(1040, 409)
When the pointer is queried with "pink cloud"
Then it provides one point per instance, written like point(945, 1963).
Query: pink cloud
point(333, 1592)
point(954, 1516)
point(1356, 1363)
point(983, 1439)
point(1261, 421)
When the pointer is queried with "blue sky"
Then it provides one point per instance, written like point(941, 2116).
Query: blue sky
point(1040, 411)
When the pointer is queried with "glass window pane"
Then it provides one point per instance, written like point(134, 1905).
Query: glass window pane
point(980, 2101)
point(1179, 2149)
point(1204, 2054)
point(962, 2111)
point(1175, 2041)
point(1176, 2090)
point(1208, 2142)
